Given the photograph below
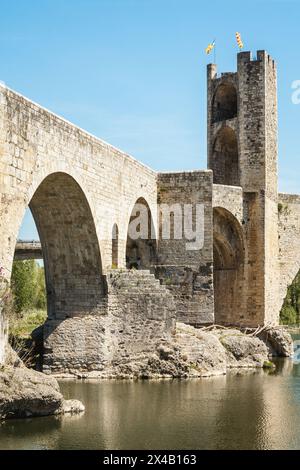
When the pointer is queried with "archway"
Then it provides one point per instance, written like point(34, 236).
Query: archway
point(229, 257)
point(70, 247)
point(225, 161)
point(224, 104)
point(141, 240)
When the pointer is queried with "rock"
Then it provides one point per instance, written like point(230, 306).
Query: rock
point(12, 358)
point(191, 352)
point(165, 352)
point(278, 341)
point(243, 350)
point(156, 367)
point(203, 351)
point(25, 392)
point(71, 406)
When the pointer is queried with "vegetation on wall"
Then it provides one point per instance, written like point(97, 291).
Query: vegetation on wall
point(290, 312)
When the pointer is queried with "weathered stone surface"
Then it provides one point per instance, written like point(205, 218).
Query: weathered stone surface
point(289, 239)
point(72, 407)
point(203, 351)
point(242, 152)
point(27, 393)
point(186, 272)
point(138, 312)
point(242, 350)
point(278, 341)
point(189, 352)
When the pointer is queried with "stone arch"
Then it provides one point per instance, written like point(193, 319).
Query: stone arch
point(141, 243)
point(229, 268)
point(224, 104)
point(70, 247)
point(115, 246)
point(225, 159)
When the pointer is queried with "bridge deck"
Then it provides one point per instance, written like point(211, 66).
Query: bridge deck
point(28, 250)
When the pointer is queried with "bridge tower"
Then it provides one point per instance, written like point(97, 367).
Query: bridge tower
point(242, 152)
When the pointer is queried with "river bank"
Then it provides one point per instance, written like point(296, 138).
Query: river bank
point(188, 353)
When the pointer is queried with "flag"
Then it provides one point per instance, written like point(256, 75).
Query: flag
point(210, 47)
point(239, 40)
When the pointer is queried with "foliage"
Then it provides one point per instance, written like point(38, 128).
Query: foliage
point(290, 312)
point(25, 350)
point(22, 326)
point(28, 286)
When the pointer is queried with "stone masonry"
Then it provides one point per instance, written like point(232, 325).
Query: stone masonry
point(111, 298)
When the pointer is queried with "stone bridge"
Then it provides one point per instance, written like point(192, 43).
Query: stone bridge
point(83, 194)
point(26, 249)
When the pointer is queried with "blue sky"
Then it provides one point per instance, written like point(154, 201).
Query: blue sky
point(133, 72)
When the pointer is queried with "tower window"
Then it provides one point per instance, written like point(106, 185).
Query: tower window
point(224, 103)
point(225, 161)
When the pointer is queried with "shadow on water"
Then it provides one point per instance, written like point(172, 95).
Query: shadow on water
point(244, 410)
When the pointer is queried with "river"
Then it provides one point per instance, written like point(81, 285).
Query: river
point(248, 410)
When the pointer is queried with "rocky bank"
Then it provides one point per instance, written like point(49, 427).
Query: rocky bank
point(25, 392)
point(192, 352)
point(187, 353)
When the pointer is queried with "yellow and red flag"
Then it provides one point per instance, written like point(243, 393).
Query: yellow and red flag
point(239, 40)
point(210, 47)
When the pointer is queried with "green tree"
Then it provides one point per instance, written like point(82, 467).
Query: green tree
point(290, 312)
point(40, 301)
point(28, 285)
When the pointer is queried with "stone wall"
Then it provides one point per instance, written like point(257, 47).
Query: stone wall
point(138, 312)
point(229, 198)
point(187, 272)
point(289, 240)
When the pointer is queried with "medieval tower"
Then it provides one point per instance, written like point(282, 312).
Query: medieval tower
point(242, 152)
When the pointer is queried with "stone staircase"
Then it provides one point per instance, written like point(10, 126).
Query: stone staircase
point(135, 281)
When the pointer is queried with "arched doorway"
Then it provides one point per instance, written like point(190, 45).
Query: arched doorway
point(141, 239)
point(224, 104)
point(70, 247)
point(229, 278)
point(225, 160)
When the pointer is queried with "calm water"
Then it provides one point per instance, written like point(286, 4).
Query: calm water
point(254, 410)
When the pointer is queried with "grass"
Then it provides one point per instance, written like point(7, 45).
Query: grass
point(22, 326)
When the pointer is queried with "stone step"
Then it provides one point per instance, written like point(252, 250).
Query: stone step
point(136, 282)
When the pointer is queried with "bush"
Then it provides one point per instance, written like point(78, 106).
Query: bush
point(290, 312)
point(23, 327)
point(288, 315)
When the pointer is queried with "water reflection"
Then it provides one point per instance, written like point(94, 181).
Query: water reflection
point(244, 410)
